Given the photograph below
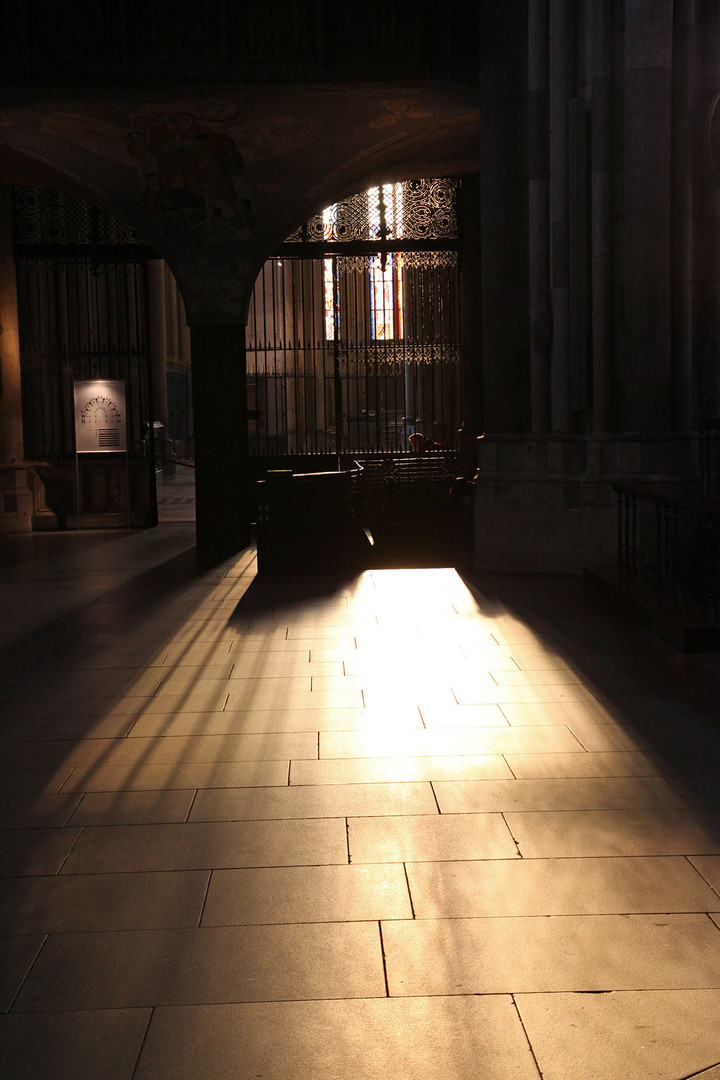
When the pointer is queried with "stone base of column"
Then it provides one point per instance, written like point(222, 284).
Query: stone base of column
point(16, 500)
point(545, 502)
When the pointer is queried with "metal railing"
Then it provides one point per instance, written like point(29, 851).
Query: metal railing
point(709, 453)
point(675, 541)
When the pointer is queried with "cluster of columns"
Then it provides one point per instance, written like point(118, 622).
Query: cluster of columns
point(594, 191)
point(600, 239)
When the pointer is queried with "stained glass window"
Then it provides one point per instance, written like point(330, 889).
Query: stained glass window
point(329, 298)
point(385, 221)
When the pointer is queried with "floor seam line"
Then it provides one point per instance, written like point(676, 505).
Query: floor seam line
point(144, 1040)
point(29, 971)
point(384, 959)
point(205, 897)
point(527, 1037)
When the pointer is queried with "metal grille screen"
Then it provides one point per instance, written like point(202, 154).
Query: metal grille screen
point(80, 319)
point(353, 338)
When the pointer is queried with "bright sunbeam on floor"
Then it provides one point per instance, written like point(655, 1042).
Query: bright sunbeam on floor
point(220, 788)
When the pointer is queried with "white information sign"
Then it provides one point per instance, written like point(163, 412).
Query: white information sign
point(100, 417)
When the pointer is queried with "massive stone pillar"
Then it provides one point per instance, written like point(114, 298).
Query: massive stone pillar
point(471, 286)
point(15, 497)
point(538, 217)
point(504, 213)
point(601, 186)
point(561, 57)
point(644, 386)
point(707, 223)
point(11, 429)
point(683, 88)
point(598, 38)
point(223, 490)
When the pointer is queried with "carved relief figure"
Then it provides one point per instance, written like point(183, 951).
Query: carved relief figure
point(192, 178)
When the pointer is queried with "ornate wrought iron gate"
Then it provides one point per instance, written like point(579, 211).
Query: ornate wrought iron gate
point(83, 314)
point(353, 338)
point(82, 300)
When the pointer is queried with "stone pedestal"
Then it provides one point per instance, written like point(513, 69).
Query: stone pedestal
point(16, 501)
point(546, 503)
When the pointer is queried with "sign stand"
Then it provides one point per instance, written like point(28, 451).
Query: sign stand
point(100, 426)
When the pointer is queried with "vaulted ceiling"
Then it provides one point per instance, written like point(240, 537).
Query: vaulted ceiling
point(220, 175)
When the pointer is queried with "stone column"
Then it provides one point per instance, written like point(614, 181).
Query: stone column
point(504, 213)
point(471, 293)
point(223, 488)
point(538, 222)
point(601, 250)
point(562, 52)
point(16, 502)
point(11, 427)
point(682, 212)
point(644, 387)
point(707, 225)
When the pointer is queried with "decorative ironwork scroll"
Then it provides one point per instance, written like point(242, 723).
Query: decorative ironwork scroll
point(411, 210)
point(49, 218)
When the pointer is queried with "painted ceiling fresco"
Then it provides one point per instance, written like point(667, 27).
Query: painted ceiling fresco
point(216, 181)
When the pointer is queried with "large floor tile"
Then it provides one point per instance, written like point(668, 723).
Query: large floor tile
point(68, 902)
point(210, 695)
point(449, 741)
point(262, 720)
point(458, 716)
point(248, 694)
point(67, 1046)
point(514, 887)
point(132, 807)
point(200, 845)
point(185, 676)
point(273, 665)
point(307, 894)
point(616, 832)
point(231, 804)
point(606, 737)
point(587, 793)
point(542, 955)
point(181, 749)
point(471, 692)
point(541, 713)
point(198, 654)
point(612, 763)
point(552, 676)
point(181, 776)
point(412, 839)
point(398, 769)
point(133, 969)
point(651, 1035)
point(427, 1039)
point(102, 726)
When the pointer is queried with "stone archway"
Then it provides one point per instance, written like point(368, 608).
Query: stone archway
point(215, 182)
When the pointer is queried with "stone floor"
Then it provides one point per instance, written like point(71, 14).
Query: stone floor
point(394, 827)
